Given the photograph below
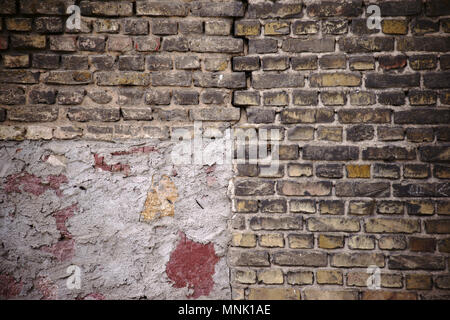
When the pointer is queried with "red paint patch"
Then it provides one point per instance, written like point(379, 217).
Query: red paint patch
point(134, 151)
point(9, 287)
point(62, 250)
point(46, 288)
point(61, 216)
point(211, 169)
point(29, 183)
point(99, 163)
point(192, 265)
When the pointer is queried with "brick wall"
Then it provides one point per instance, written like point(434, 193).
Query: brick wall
point(363, 117)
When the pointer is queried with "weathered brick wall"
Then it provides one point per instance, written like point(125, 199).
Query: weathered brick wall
point(363, 117)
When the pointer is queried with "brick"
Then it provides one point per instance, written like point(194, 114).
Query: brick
point(424, 26)
point(33, 113)
point(271, 240)
point(246, 240)
point(161, 8)
point(390, 153)
point(441, 171)
point(386, 171)
point(92, 43)
point(247, 28)
point(164, 27)
point(302, 206)
point(366, 44)
point(111, 8)
point(443, 282)
point(275, 63)
point(245, 276)
point(361, 207)
point(274, 28)
point(301, 133)
point(359, 27)
point(423, 62)
point(444, 245)
point(359, 63)
point(216, 44)
point(308, 45)
point(227, 9)
point(359, 279)
point(437, 80)
point(190, 27)
point(234, 80)
point(390, 80)
point(333, 224)
point(273, 276)
point(24, 41)
point(329, 133)
point(360, 133)
point(422, 98)
point(437, 226)
point(437, 8)
point(400, 8)
point(335, 79)
point(11, 133)
point(330, 171)
point(245, 63)
point(362, 189)
point(434, 154)
point(136, 113)
point(266, 9)
point(433, 44)
point(187, 63)
point(106, 26)
point(321, 294)
point(392, 62)
point(276, 98)
point(262, 46)
point(18, 24)
point(300, 277)
point(333, 98)
point(305, 27)
point(217, 28)
point(102, 62)
point(121, 43)
point(332, 153)
point(254, 258)
point(122, 78)
point(215, 114)
point(396, 242)
point(416, 171)
point(74, 62)
point(329, 277)
point(384, 225)
point(322, 9)
point(358, 171)
point(422, 116)
point(283, 223)
point(16, 61)
point(422, 244)
point(410, 262)
point(330, 242)
point(135, 27)
point(291, 188)
point(300, 241)
point(158, 63)
point(333, 61)
point(274, 294)
point(152, 43)
point(390, 133)
point(12, 95)
point(82, 114)
point(334, 27)
point(158, 97)
point(246, 98)
point(273, 80)
point(172, 78)
point(8, 6)
point(392, 98)
point(304, 63)
point(134, 63)
point(19, 76)
point(361, 242)
point(45, 61)
point(213, 97)
point(332, 207)
point(299, 258)
point(394, 26)
point(42, 96)
point(99, 96)
point(3, 42)
point(353, 259)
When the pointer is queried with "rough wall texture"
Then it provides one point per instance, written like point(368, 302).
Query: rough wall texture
point(363, 119)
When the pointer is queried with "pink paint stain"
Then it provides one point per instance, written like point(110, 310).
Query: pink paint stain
point(192, 265)
point(46, 288)
point(61, 216)
point(9, 287)
point(91, 296)
point(29, 183)
point(99, 163)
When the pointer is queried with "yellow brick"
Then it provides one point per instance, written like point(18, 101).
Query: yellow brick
point(394, 26)
point(271, 240)
point(418, 282)
point(358, 171)
point(276, 28)
point(329, 277)
point(247, 240)
point(274, 276)
point(330, 242)
point(245, 276)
